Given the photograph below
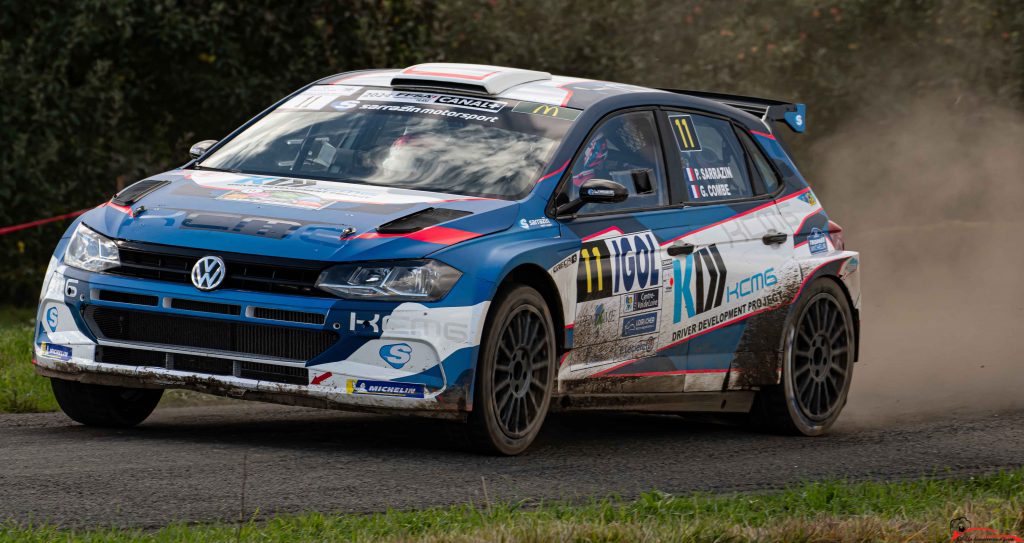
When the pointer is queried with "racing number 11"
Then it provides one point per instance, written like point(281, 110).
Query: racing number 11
point(586, 254)
point(594, 274)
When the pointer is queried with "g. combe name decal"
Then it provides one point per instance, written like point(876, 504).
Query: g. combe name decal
point(698, 178)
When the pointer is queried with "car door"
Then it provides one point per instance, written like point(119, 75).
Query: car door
point(620, 272)
point(729, 251)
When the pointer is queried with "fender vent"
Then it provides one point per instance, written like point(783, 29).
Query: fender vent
point(137, 191)
point(420, 220)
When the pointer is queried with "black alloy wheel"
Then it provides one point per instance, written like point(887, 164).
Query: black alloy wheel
point(515, 373)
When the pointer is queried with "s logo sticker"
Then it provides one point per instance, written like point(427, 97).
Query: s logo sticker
point(396, 354)
point(51, 318)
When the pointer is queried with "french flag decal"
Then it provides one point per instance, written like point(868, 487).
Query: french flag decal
point(691, 177)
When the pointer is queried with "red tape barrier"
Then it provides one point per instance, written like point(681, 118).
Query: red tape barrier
point(11, 229)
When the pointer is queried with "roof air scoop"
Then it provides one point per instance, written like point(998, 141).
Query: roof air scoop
point(491, 80)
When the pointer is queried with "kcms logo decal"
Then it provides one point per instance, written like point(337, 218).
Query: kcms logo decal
point(700, 282)
point(618, 265)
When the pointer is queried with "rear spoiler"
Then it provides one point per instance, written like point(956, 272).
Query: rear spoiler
point(794, 115)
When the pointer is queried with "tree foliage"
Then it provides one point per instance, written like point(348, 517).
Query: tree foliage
point(98, 93)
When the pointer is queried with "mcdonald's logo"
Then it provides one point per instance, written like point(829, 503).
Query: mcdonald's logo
point(686, 134)
point(547, 110)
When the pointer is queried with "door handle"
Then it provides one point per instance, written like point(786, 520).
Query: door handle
point(774, 239)
point(680, 249)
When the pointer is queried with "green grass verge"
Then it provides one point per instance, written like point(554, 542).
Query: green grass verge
point(21, 390)
point(830, 511)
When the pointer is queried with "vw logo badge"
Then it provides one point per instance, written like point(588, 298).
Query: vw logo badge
point(208, 273)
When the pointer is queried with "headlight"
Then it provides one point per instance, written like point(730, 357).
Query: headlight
point(90, 251)
point(417, 280)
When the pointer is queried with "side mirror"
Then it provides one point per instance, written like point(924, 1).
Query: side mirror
point(201, 148)
point(601, 191)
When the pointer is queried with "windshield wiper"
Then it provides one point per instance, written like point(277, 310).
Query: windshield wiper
point(210, 169)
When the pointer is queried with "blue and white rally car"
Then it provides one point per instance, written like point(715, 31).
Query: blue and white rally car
point(468, 242)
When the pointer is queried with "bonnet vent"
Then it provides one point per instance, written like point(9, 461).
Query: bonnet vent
point(420, 220)
point(137, 191)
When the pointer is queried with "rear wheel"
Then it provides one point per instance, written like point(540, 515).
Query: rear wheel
point(515, 374)
point(817, 366)
point(106, 406)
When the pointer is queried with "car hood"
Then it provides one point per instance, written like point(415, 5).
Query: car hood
point(296, 218)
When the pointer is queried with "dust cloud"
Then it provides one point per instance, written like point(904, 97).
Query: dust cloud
point(932, 195)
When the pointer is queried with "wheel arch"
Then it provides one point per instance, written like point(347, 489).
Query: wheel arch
point(791, 314)
point(853, 310)
point(539, 279)
point(849, 301)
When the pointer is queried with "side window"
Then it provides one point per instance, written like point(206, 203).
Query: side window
point(714, 164)
point(768, 175)
point(624, 149)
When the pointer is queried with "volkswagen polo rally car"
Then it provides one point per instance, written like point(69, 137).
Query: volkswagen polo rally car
point(468, 242)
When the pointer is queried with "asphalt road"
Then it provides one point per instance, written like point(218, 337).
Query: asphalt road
point(187, 463)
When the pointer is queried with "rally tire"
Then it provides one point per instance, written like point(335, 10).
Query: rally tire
point(515, 373)
point(105, 406)
point(817, 366)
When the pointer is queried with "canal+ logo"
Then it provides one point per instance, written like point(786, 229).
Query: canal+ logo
point(701, 282)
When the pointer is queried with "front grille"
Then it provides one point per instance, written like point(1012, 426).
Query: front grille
point(126, 297)
point(287, 315)
point(206, 307)
point(203, 364)
point(130, 357)
point(202, 333)
point(243, 272)
point(275, 373)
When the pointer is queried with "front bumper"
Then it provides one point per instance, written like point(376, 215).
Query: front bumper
point(106, 329)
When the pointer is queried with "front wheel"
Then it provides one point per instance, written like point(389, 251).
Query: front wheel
point(105, 406)
point(515, 374)
point(817, 365)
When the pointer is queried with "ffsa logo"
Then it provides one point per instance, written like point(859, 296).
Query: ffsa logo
point(700, 282)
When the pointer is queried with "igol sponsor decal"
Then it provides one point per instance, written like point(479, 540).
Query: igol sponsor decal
point(618, 265)
point(385, 388)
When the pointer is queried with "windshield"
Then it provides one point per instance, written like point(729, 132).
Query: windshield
point(378, 136)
